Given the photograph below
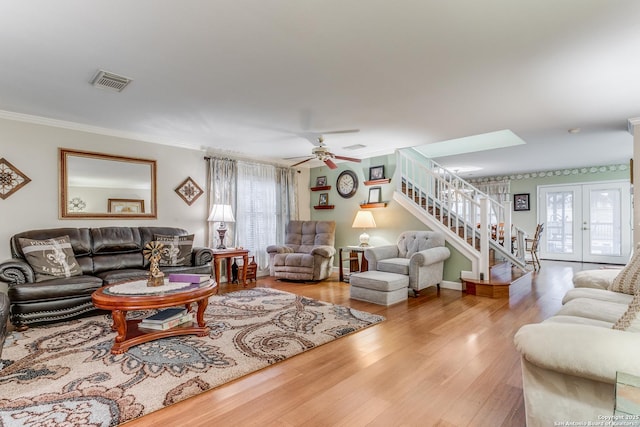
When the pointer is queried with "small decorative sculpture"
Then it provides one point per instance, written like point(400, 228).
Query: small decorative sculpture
point(234, 271)
point(152, 252)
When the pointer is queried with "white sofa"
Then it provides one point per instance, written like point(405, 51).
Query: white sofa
point(597, 279)
point(569, 361)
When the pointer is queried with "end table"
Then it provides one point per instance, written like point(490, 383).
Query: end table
point(357, 261)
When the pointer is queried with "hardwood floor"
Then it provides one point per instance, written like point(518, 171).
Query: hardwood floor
point(443, 359)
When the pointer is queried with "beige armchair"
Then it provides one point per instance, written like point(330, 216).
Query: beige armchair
point(418, 254)
point(308, 251)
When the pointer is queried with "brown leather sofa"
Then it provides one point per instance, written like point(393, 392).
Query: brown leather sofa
point(106, 255)
point(4, 316)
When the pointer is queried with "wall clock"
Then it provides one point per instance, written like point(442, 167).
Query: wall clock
point(347, 184)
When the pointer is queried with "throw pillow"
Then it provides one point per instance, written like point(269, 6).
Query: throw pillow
point(629, 320)
point(51, 258)
point(176, 250)
point(627, 280)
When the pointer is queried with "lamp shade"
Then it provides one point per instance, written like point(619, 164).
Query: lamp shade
point(221, 213)
point(364, 219)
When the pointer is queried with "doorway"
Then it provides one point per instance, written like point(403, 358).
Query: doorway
point(586, 222)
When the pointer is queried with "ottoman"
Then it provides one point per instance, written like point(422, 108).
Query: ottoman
point(379, 287)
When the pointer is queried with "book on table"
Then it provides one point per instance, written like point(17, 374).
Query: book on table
point(165, 315)
point(186, 317)
point(189, 278)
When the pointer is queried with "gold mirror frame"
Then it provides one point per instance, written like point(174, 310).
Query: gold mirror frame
point(69, 157)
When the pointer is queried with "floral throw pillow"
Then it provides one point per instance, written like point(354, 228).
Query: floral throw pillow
point(628, 279)
point(51, 258)
point(176, 251)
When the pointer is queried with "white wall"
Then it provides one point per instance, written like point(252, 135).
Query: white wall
point(33, 149)
point(304, 196)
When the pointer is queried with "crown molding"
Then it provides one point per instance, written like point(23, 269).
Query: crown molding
point(62, 124)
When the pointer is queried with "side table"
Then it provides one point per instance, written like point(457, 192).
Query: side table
point(229, 254)
point(357, 261)
point(627, 398)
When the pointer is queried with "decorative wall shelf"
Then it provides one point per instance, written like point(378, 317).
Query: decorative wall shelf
point(326, 187)
point(378, 181)
point(373, 205)
point(324, 207)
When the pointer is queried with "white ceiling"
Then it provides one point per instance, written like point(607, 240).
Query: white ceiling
point(248, 76)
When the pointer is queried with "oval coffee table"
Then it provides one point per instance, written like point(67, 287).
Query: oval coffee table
point(122, 297)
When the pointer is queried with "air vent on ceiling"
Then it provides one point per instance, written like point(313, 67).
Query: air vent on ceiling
point(354, 147)
point(106, 80)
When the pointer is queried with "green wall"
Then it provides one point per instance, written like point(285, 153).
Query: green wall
point(528, 183)
point(394, 219)
point(390, 221)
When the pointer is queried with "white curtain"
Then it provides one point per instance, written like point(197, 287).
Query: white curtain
point(222, 186)
point(266, 201)
point(286, 180)
point(498, 191)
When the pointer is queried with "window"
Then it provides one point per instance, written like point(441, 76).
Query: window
point(265, 203)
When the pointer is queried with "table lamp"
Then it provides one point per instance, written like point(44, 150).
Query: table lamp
point(364, 219)
point(222, 214)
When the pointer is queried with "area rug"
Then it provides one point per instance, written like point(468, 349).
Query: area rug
point(64, 373)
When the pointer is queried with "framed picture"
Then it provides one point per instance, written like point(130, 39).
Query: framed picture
point(324, 199)
point(521, 202)
point(376, 172)
point(321, 181)
point(125, 206)
point(375, 195)
point(189, 191)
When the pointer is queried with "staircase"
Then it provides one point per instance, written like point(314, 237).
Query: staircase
point(473, 223)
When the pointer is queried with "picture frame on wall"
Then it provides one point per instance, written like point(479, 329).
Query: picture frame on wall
point(125, 206)
point(375, 195)
point(521, 202)
point(189, 191)
point(376, 172)
point(323, 200)
point(321, 181)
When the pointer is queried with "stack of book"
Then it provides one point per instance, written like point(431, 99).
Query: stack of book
point(166, 319)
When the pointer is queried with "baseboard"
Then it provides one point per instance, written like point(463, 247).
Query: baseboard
point(456, 286)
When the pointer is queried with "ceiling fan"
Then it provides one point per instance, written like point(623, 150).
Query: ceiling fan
point(321, 151)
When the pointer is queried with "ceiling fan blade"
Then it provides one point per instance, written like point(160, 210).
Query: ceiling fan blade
point(331, 165)
point(304, 161)
point(339, 131)
point(351, 159)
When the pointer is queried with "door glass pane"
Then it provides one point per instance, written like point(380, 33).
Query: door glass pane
point(558, 233)
point(605, 224)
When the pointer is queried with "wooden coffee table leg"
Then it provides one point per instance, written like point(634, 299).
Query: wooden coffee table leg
point(202, 306)
point(120, 323)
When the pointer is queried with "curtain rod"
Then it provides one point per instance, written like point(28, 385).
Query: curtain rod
point(208, 158)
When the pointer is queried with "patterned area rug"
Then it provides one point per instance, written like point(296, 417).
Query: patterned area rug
point(64, 374)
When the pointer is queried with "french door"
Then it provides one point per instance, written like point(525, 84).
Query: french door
point(586, 222)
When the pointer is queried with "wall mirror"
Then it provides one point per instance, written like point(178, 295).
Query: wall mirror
point(95, 185)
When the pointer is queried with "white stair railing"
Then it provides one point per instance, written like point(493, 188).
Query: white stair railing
point(457, 206)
